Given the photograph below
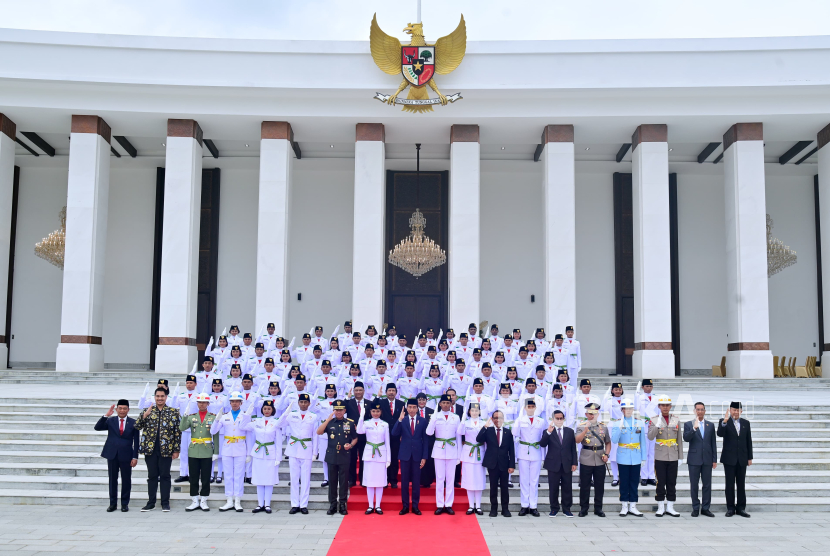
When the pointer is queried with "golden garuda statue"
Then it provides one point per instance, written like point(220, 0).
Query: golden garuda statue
point(418, 62)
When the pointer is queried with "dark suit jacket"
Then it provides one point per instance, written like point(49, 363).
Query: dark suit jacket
point(352, 413)
point(123, 447)
point(702, 451)
point(412, 447)
point(502, 457)
point(389, 417)
point(737, 448)
point(561, 455)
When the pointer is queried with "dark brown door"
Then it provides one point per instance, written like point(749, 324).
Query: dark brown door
point(416, 303)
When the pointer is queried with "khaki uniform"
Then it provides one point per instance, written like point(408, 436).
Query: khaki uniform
point(591, 466)
point(668, 450)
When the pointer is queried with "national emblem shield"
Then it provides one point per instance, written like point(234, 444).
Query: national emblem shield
point(418, 64)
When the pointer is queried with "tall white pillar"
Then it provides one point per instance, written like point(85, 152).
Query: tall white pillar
point(87, 197)
point(747, 302)
point(8, 131)
point(653, 355)
point(275, 167)
point(824, 215)
point(176, 351)
point(464, 227)
point(560, 227)
point(368, 245)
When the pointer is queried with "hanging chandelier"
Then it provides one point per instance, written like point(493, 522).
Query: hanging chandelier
point(779, 256)
point(52, 247)
point(416, 253)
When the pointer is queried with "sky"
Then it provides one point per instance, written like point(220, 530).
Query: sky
point(486, 19)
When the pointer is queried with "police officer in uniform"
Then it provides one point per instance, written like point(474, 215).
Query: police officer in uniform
point(596, 445)
point(342, 437)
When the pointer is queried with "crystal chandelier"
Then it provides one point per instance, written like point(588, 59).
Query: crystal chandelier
point(779, 256)
point(51, 248)
point(416, 253)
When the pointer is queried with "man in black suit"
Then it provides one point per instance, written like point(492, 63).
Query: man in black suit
point(354, 407)
point(120, 451)
point(736, 456)
point(702, 458)
point(390, 411)
point(560, 462)
point(499, 459)
point(428, 472)
point(410, 431)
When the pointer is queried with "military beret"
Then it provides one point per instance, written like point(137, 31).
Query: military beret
point(445, 398)
point(234, 327)
point(616, 385)
point(347, 323)
point(209, 358)
point(236, 366)
point(317, 347)
point(531, 380)
point(558, 337)
point(318, 328)
point(557, 386)
point(259, 345)
point(306, 335)
point(303, 398)
point(190, 378)
point(326, 362)
point(300, 376)
point(648, 382)
point(585, 382)
point(463, 335)
point(217, 381)
point(478, 381)
point(162, 382)
point(246, 335)
point(523, 349)
point(331, 387)
point(247, 376)
point(569, 328)
point(339, 404)
point(270, 325)
point(274, 383)
point(269, 360)
point(486, 365)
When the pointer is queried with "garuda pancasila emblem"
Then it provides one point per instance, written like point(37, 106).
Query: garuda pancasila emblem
point(418, 62)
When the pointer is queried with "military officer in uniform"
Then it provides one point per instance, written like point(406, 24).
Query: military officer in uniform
point(203, 450)
point(666, 431)
point(596, 445)
point(342, 437)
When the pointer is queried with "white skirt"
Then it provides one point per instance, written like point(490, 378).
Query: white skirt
point(264, 472)
point(472, 476)
point(374, 474)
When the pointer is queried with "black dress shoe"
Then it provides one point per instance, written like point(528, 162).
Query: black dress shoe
point(304, 511)
point(652, 482)
point(181, 479)
point(267, 509)
point(695, 513)
point(439, 511)
point(150, 506)
point(352, 484)
point(247, 480)
point(599, 513)
point(404, 510)
point(534, 512)
point(293, 510)
point(479, 511)
point(457, 485)
point(394, 485)
point(378, 511)
point(494, 513)
point(165, 507)
point(416, 510)
point(212, 479)
point(742, 513)
point(257, 510)
point(369, 511)
point(582, 513)
point(707, 513)
point(343, 510)
point(332, 510)
point(125, 508)
point(111, 508)
point(522, 512)
point(449, 511)
point(614, 483)
point(471, 511)
point(506, 513)
point(324, 484)
point(643, 482)
point(218, 480)
point(730, 513)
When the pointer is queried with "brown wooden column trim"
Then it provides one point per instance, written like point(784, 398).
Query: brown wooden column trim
point(748, 346)
point(176, 341)
point(184, 128)
point(91, 124)
point(647, 346)
point(649, 133)
point(460, 133)
point(95, 340)
point(743, 132)
point(370, 132)
point(558, 134)
point(277, 130)
point(8, 127)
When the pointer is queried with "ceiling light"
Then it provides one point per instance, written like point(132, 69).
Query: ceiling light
point(670, 150)
point(246, 144)
point(163, 145)
point(502, 148)
point(587, 148)
point(331, 146)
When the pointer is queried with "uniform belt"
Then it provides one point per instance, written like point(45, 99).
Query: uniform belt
point(445, 441)
point(594, 448)
point(302, 441)
point(534, 444)
point(460, 398)
point(630, 445)
point(430, 398)
point(667, 442)
point(234, 439)
point(475, 448)
point(509, 423)
point(201, 441)
point(375, 447)
point(263, 445)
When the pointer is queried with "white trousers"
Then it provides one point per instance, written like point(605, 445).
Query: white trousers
point(250, 440)
point(529, 482)
point(374, 494)
point(300, 473)
point(234, 475)
point(444, 482)
point(183, 469)
point(474, 498)
point(647, 470)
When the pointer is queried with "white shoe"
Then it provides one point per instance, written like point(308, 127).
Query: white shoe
point(228, 505)
point(661, 509)
point(624, 509)
point(194, 505)
point(670, 510)
point(237, 503)
point(203, 504)
point(632, 509)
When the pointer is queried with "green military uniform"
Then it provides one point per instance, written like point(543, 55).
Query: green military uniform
point(202, 448)
point(339, 433)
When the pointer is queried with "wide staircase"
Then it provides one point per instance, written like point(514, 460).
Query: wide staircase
point(50, 454)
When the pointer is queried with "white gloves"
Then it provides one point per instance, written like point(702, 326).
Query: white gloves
point(215, 457)
point(248, 459)
point(388, 463)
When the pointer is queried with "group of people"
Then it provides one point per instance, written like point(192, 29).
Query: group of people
point(447, 410)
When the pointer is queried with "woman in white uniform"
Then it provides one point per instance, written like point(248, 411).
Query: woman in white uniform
point(266, 454)
point(218, 404)
point(472, 454)
point(376, 456)
point(433, 386)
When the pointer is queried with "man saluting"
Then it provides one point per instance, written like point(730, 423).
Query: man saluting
point(342, 437)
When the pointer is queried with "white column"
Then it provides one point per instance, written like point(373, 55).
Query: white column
point(560, 228)
point(275, 166)
point(87, 197)
point(368, 246)
point(747, 301)
point(464, 257)
point(824, 215)
point(653, 355)
point(8, 132)
point(176, 351)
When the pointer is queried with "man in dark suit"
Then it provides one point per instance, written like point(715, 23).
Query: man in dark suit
point(499, 459)
point(702, 458)
point(410, 431)
point(428, 471)
point(354, 407)
point(120, 451)
point(390, 410)
point(736, 456)
point(560, 463)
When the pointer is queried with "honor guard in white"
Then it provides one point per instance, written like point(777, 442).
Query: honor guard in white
point(318, 338)
point(574, 355)
point(265, 455)
point(376, 455)
point(304, 352)
point(204, 378)
point(530, 393)
point(377, 382)
point(345, 337)
point(491, 380)
point(301, 428)
point(311, 367)
point(542, 345)
point(525, 366)
point(392, 336)
point(510, 349)
point(507, 404)
point(471, 456)
point(495, 341)
point(463, 348)
point(323, 379)
point(234, 450)
point(269, 375)
point(234, 339)
point(472, 332)
point(247, 346)
point(408, 385)
point(561, 357)
point(443, 425)
point(642, 401)
point(528, 430)
point(477, 395)
point(182, 403)
point(433, 386)
point(256, 362)
point(268, 338)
